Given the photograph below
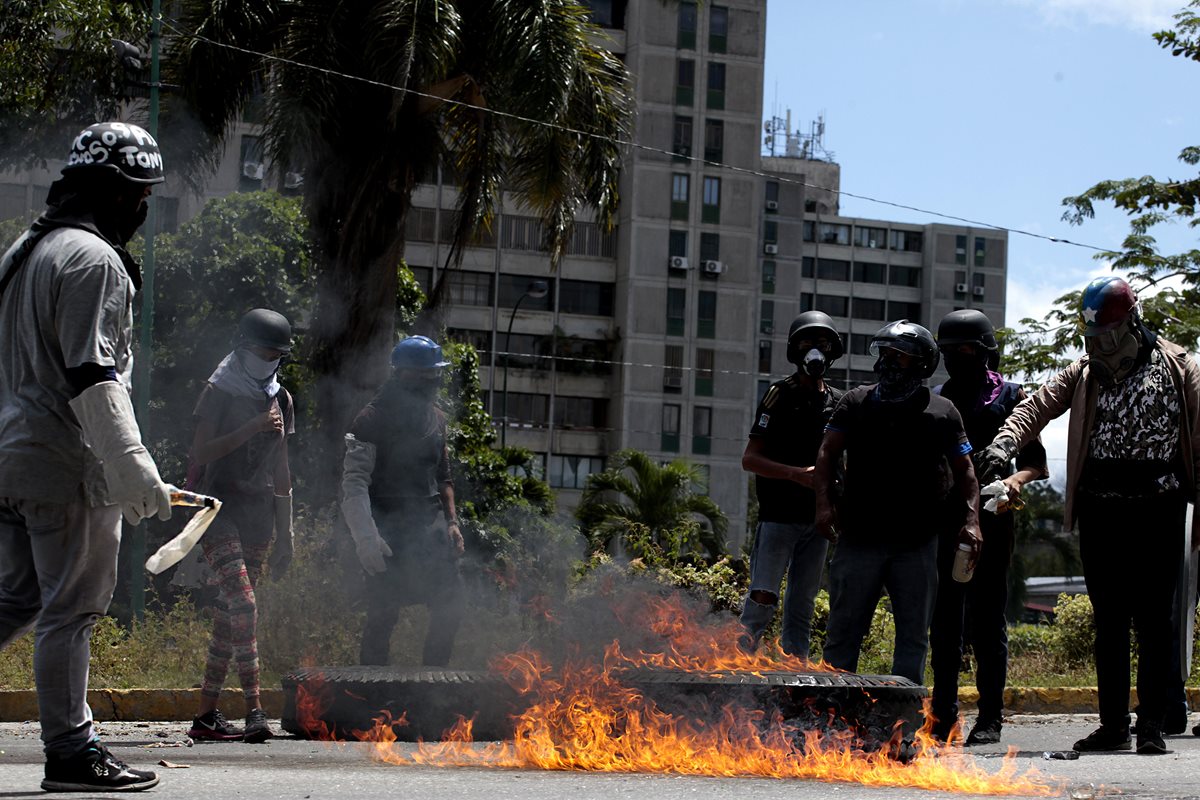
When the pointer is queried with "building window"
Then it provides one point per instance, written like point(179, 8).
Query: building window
point(594, 298)
point(960, 250)
point(865, 308)
point(808, 266)
point(960, 281)
point(806, 302)
point(906, 241)
point(705, 362)
point(685, 82)
point(808, 231)
point(710, 247)
point(571, 472)
point(718, 29)
point(673, 368)
point(686, 36)
point(978, 282)
point(980, 250)
point(469, 288)
point(253, 169)
point(513, 287)
point(679, 197)
point(701, 430)
point(710, 211)
point(833, 305)
point(423, 277)
point(768, 277)
point(764, 356)
point(605, 15)
point(675, 311)
point(831, 269)
point(589, 413)
point(770, 231)
point(716, 86)
point(875, 238)
point(681, 141)
point(904, 276)
point(761, 390)
point(898, 309)
point(525, 409)
point(860, 344)
point(714, 140)
point(772, 197)
point(832, 233)
point(766, 317)
point(670, 427)
point(677, 244)
point(867, 272)
point(706, 315)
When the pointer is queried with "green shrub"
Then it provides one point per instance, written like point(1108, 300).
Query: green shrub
point(1074, 631)
point(1030, 640)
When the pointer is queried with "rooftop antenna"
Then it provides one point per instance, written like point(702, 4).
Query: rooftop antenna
point(781, 140)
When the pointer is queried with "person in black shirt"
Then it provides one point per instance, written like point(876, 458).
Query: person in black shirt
point(905, 451)
point(984, 399)
point(784, 439)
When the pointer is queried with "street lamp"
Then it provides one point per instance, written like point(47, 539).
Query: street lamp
point(536, 290)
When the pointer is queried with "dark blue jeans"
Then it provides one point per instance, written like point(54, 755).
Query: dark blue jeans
point(858, 574)
point(974, 612)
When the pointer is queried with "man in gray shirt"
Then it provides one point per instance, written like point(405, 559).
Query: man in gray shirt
point(71, 455)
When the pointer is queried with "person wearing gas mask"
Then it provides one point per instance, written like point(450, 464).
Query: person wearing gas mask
point(984, 400)
point(71, 455)
point(782, 450)
point(396, 490)
point(908, 480)
point(243, 419)
point(1132, 450)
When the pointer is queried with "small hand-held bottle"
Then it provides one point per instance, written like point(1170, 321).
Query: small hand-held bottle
point(963, 568)
point(182, 497)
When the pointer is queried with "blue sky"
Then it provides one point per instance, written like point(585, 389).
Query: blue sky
point(992, 110)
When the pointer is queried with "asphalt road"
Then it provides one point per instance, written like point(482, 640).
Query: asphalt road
point(293, 768)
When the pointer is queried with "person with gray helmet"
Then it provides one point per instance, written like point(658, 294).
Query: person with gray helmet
point(976, 608)
point(908, 478)
point(71, 455)
point(396, 491)
point(1133, 451)
point(787, 430)
point(240, 450)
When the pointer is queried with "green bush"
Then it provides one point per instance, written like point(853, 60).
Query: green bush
point(1030, 640)
point(1074, 630)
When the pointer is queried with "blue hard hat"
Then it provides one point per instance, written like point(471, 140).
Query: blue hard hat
point(1106, 303)
point(418, 352)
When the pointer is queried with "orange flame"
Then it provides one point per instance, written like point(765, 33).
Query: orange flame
point(582, 717)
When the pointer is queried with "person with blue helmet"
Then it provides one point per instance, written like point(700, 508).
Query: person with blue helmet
point(398, 502)
point(1133, 453)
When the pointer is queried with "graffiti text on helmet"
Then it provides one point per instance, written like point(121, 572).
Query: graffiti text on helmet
point(97, 147)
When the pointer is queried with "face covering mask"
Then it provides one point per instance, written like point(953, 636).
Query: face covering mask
point(815, 363)
point(130, 223)
point(257, 368)
point(1112, 355)
point(896, 383)
point(966, 367)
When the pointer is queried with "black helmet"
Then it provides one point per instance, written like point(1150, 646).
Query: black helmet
point(265, 328)
point(966, 326)
point(911, 338)
point(116, 148)
point(814, 322)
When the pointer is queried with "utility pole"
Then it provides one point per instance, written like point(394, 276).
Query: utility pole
point(137, 575)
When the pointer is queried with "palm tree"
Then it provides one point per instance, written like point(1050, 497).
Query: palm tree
point(519, 95)
point(635, 491)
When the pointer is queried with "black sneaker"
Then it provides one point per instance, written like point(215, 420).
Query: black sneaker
point(1150, 740)
point(747, 643)
point(986, 731)
point(257, 729)
point(1106, 737)
point(94, 769)
point(214, 727)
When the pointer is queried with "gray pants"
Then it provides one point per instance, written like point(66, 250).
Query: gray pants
point(58, 568)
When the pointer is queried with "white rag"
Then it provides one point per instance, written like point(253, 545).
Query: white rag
point(173, 551)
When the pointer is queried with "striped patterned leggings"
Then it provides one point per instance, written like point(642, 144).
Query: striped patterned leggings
point(237, 567)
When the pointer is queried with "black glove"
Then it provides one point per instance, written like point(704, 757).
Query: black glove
point(993, 460)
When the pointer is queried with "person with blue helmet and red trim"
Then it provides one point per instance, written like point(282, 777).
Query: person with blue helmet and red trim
point(396, 491)
point(1133, 452)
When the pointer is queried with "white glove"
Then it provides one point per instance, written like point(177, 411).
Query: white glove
point(368, 543)
point(109, 427)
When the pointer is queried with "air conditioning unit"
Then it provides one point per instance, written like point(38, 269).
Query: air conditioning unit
point(678, 262)
point(961, 288)
point(672, 382)
point(293, 180)
point(713, 267)
point(771, 249)
point(769, 330)
point(977, 291)
point(772, 205)
point(252, 170)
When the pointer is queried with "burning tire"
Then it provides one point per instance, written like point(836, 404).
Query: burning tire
point(334, 702)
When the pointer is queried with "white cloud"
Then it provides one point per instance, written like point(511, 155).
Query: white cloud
point(1141, 15)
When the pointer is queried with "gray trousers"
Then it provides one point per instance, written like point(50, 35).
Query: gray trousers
point(58, 568)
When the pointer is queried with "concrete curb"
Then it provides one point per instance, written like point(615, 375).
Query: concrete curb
point(148, 705)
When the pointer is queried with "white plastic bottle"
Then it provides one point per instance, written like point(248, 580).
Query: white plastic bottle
point(963, 568)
